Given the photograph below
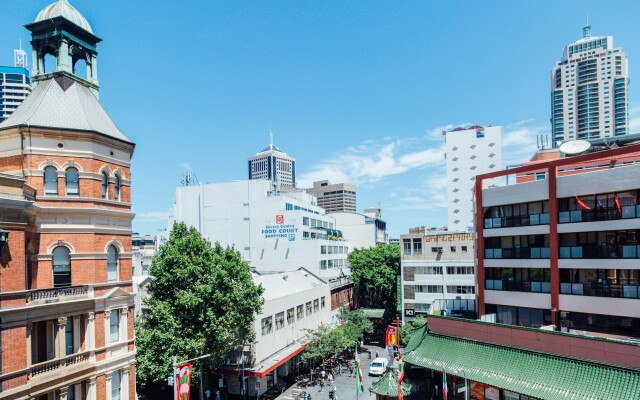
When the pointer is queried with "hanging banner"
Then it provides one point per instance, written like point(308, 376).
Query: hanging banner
point(391, 338)
point(399, 293)
point(183, 380)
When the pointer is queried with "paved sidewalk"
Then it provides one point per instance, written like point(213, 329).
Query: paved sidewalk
point(346, 386)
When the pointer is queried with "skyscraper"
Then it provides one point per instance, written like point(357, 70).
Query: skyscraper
point(470, 152)
point(273, 164)
point(15, 86)
point(589, 98)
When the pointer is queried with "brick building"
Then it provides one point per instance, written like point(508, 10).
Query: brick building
point(66, 308)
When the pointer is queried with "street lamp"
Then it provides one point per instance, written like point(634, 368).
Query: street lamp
point(466, 386)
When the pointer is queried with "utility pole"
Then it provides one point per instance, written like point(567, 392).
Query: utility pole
point(176, 382)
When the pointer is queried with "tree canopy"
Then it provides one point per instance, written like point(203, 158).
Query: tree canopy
point(327, 339)
point(202, 300)
point(408, 328)
point(374, 271)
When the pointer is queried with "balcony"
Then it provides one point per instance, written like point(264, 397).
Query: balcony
point(518, 253)
point(600, 290)
point(58, 294)
point(602, 251)
point(58, 364)
point(627, 212)
point(524, 220)
point(518, 286)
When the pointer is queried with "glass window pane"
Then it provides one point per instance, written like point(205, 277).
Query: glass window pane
point(61, 265)
point(112, 264)
point(117, 188)
point(50, 181)
point(72, 180)
point(114, 326)
point(115, 385)
point(105, 185)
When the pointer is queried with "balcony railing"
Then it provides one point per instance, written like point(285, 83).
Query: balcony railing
point(600, 290)
point(626, 212)
point(514, 221)
point(602, 251)
point(518, 253)
point(518, 286)
point(57, 294)
point(58, 363)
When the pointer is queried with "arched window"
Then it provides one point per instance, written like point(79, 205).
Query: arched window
point(105, 185)
point(61, 267)
point(72, 182)
point(112, 263)
point(117, 188)
point(50, 181)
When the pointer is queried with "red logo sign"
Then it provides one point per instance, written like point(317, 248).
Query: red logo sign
point(279, 219)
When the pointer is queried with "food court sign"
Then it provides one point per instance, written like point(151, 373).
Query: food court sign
point(280, 230)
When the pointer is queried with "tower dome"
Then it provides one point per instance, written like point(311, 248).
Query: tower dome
point(62, 8)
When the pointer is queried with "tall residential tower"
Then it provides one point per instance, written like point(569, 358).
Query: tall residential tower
point(589, 96)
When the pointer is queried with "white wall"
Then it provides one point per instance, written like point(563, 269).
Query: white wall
point(468, 156)
point(355, 229)
point(242, 214)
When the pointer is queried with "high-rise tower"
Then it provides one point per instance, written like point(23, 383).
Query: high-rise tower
point(589, 97)
point(273, 164)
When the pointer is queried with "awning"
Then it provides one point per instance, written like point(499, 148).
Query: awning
point(388, 385)
point(266, 366)
point(542, 375)
point(378, 313)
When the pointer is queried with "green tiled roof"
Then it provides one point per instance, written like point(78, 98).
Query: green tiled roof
point(388, 385)
point(415, 339)
point(532, 373)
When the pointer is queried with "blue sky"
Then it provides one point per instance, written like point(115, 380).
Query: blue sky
point(356, 91)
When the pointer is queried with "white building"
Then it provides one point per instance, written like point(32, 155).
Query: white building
point(273, 231)
point(273, 164)
point(143, 249)
point(470, 152)
point(362, 230)
point(437, 267)
point(294, 301)
point(589, 86)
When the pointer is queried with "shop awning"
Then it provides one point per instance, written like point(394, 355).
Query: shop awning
point(388, 385)
point(266, 366)
point(542, 375)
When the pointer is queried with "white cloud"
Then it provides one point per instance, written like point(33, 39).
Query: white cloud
point(154, 216)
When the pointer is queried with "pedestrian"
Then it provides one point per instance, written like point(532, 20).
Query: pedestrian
point(339, 369)
point(330, 378)
point(217, 394)
point(207, 394)
point(351, 370)
point(376, 353)
point(323, 374)
point(321, 384)
point(369, 352)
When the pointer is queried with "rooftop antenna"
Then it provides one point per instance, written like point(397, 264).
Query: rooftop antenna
point(270, 137)
point(586, 31)
point(542, 141)
point(20, 57)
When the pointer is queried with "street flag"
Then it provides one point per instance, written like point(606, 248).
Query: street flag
point(445, 390)
point(615, 197)
point(599, 203)
point(359, 381)
point(581, 204)
point(391, 338)
point(183, 381)
point(400, 375)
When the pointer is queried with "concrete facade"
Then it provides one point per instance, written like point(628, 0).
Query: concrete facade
point(469, 152)
point(361, 230)
point(339, 197)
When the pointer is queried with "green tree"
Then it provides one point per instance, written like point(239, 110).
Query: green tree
point(374, 271)
point(202, 300)
point(354, 325)
point(408, 327)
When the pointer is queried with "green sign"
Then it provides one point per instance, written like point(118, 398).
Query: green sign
point(399, 293)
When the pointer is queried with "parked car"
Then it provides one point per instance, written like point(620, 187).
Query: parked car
point(378, 366)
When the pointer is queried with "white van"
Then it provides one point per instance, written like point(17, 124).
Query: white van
point(378, 366)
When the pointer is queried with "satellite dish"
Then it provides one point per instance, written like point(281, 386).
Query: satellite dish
point(575, 147)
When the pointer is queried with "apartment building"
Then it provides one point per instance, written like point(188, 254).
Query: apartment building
point(560, 246)
point(339, 197)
